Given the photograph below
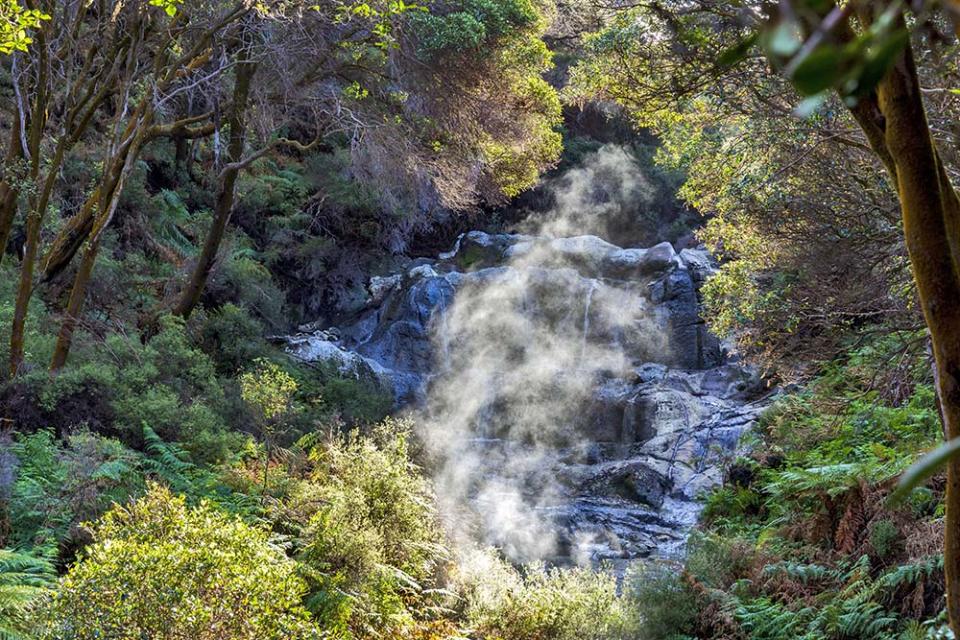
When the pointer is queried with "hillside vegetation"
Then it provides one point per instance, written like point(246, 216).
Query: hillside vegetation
point(185, 182)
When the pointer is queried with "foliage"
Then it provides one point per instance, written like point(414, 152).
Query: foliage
point(795, 208)
point(57, 486)
point(810, 547)
point(369, 531)
point(232, 338)
point(167, 383)
point(471, 25)
point(24, 580)
point(16, 22)
point(186, 572)
point(665, 607)
point(539, 604)
point(268, 390)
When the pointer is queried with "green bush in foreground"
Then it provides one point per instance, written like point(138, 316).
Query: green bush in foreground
point(503, 603)
point(370, 532)
point(160, 569)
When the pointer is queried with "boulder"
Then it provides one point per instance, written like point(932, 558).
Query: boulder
point(478, 250)
point(380, 286)
point(700, 264)
point(634, 263)
point(633, 480)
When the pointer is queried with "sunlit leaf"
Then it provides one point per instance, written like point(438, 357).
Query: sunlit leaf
point(924, 468)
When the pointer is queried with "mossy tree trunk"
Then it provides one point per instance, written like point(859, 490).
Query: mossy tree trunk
point(895, 122)
point(236, 121)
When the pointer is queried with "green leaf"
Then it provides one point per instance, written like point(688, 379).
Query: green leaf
point(785, 39)
point(738, 52)
point(921, 470)
point(879, 60)
point(818, 71)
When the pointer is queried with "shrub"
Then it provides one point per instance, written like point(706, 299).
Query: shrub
point(369, 531)
point(666, 608)
point(539, 604)
point(168, 384)
point(884, 538)
point(184, 573)
point(232, 337)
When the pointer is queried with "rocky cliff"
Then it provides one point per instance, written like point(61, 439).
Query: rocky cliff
point(571, 398)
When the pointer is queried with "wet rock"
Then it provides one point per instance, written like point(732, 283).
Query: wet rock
point(478, 250)
point(634, 263)
point(380, 286)
point(318, 348)
point(620, 472)
point(699, 263)
point(634, 480)
point(650, 372)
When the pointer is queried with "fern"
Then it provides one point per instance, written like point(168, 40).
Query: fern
point(166, 461)
point(909, 574)
point(23, 579)
point(805, 573)
point(168, 225)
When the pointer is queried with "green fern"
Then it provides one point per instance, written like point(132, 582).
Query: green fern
point(23, 580)
point(911, 573)
point(168, 226)
point(166, 461)
point(805, 573)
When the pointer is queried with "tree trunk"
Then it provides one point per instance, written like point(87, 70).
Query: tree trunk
point(8, 192)
point(75, 305)
point(190, 296)
point(71, 238)
point(34, 222)
point(110, 188)
point(930, 210)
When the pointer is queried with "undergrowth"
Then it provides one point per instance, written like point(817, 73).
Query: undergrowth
point(801, 542)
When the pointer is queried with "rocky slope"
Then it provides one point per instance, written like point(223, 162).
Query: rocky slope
point(570, 392)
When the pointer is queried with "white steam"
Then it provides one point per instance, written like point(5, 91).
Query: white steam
point(522, 350)
point(605, 188)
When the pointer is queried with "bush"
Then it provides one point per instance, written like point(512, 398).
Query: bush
point(183, 573)
point(168, 384)
point(666, 608)
point(884, 538)
point(539, 604)
point(369, 531)
point(232, 337)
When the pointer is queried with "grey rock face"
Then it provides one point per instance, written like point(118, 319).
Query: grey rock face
point(643, 434)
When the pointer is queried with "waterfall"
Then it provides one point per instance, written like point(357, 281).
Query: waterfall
point(567, 441)
point(586, 319)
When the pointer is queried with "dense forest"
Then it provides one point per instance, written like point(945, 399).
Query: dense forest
point(479, 319)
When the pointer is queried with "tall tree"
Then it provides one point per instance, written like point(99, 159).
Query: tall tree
point(862, 53)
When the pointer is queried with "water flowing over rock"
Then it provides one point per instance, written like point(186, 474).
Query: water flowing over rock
point(572, 402)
